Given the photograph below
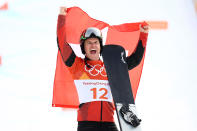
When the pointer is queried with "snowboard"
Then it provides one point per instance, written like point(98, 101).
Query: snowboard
point(114, 58)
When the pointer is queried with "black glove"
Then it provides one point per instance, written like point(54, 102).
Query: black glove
point(129, 116)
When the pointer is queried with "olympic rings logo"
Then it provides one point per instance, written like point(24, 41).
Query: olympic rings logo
point(96, 70)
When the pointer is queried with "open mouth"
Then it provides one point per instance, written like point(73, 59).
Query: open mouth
point(92, 51)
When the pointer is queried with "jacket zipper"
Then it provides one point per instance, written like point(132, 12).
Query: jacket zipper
point(101, 109)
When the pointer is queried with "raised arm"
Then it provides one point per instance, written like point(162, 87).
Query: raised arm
point(66, 51)
point(135, 58)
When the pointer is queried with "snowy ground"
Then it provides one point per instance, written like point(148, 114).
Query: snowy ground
point(166, 98)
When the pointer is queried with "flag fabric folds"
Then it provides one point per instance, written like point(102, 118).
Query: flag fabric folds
point(127, 35)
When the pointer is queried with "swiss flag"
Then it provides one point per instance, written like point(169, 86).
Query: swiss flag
point(4, 6)
point(127, 35)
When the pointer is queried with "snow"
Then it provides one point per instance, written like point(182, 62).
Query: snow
point(167, 91)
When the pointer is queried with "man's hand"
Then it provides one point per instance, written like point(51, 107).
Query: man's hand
point(144, 29)
point(62, 11)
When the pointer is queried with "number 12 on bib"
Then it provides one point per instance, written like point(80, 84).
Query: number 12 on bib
point(114, 58)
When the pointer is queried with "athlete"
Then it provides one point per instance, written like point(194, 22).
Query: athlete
point(96, 110)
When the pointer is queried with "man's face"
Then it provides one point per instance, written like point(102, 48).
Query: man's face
point(92, 48)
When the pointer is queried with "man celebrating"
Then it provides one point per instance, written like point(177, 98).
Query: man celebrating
point(96, 110)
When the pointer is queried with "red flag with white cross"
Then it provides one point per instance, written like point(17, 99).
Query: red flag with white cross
point(127, 35)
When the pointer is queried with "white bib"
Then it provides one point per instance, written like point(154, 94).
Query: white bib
point(93, 90)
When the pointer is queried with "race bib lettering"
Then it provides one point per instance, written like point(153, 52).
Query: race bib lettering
point(104, 96)
point(93, 90)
